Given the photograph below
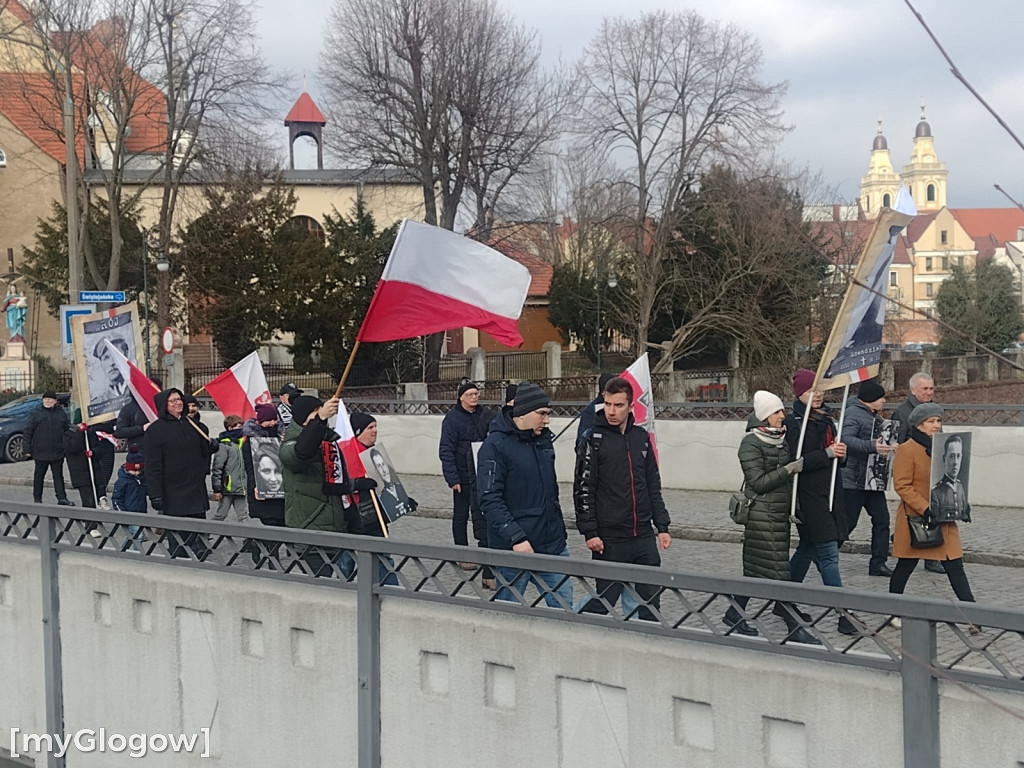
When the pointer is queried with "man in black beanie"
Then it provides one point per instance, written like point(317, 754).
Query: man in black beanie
point(464, 425)
point(520, 446)
point(862, 430)
point(587, 416)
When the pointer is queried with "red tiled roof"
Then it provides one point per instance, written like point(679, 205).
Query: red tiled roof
point(918, 225)
point(305, 111)
point(28, 101)
point(1002, 223)
point(19, 11)
point(540, 271)
point(854, 234)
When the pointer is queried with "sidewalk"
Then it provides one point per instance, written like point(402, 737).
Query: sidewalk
point(996, 537)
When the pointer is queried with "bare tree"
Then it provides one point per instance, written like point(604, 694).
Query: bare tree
point(451, 91)
point(667, 95)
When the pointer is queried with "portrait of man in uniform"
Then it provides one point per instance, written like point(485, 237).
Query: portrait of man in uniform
point(950, 465)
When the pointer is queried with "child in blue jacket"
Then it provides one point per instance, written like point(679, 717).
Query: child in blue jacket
point(130, 492)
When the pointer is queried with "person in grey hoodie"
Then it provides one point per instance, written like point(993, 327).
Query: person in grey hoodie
point(861, 434)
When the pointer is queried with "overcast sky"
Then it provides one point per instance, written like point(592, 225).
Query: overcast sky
point(848, 62)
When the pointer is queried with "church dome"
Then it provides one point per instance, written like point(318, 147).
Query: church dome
point(923, 131)
point(880, 142)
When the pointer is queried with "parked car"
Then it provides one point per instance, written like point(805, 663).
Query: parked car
point(1017, 346)
point(14, 419)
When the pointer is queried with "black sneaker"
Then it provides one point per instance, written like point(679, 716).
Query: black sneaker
point(882, 570)
point(65, 503)
point(846, 627)
point(738, 624)
point(934, 566)
point(802, 636)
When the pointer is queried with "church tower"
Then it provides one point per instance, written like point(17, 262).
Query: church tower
point(924, 176)
point(878, 188)
point(305, 119)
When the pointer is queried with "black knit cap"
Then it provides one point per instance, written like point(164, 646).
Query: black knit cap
point(510, 392)
point(303, 406)
point(50, 394)
point(529, 398)
point(465, 385)
point(870, 391)
point(360, 421)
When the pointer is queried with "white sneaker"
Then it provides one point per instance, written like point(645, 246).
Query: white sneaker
point(104, 504)
point(896, 623)
point(95, 533)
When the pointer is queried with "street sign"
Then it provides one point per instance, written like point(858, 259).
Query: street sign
point(67, 311)
point(167, 340)
point(105, 297)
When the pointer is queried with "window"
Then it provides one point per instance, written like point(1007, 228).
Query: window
point(928, 264)
point(945, 263)
point(306, 224)
point(928, 290)
point(944, 237)
point(931, 193)
point(886, 200)
point(867, 205)
point(892, 278)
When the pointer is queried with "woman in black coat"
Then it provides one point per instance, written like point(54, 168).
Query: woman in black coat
point(822, 527)
point(177, 457)
point(267, 511)
point(101, 445)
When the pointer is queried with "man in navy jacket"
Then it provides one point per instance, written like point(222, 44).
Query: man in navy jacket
point(464, 425)
point(519, 494)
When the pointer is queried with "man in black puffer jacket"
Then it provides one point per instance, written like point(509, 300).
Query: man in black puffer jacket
point(617, 495)
point(44, 442)
point(177, 457)
point(519, 493)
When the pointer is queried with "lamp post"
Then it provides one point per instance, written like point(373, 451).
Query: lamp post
point(613, 281)
point(162, 265)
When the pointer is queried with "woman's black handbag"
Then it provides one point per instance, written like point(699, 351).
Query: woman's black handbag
point(739, 506)
point(924, 534)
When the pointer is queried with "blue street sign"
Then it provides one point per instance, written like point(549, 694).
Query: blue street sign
point(105, 297)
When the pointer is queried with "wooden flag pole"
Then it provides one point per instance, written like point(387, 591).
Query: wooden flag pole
point(344, 376)
point(839, 439)
point(380, 517)
point(199, 390)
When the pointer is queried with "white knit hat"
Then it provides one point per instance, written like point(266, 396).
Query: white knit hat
point(765, 404)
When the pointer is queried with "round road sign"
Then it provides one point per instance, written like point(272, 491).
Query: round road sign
point(167, 340)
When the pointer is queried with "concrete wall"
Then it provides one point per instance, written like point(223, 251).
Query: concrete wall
point(701, 455)
point(270, 668)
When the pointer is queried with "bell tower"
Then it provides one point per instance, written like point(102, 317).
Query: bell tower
point(878, 188)
point(924, 175)
point(305, 119)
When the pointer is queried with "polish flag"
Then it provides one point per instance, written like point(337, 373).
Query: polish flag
point(142, 389)
point(347, 442)
point(639, 375)
point(436, 280)
point(241, 388)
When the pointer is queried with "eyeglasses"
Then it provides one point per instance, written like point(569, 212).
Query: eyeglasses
point(174, 399)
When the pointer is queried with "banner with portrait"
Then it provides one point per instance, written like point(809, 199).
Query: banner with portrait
point(394, 501)
point(100, 387)
point(879, 467)
point(267, 469)
point(950, 477)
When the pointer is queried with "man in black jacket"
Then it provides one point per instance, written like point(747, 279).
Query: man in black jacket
point(464, 425)
point(44, 442)
point(132, 423)
point(519, 494)
point(617, 495)
point(177, 458)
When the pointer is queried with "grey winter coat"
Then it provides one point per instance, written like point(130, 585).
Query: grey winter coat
point(860, 427)
point(227, 474)
point(766, 535)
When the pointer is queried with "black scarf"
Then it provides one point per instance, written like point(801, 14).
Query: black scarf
point(921, 438)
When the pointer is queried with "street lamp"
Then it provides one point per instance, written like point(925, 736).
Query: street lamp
point(612, 280)
point(162, 265)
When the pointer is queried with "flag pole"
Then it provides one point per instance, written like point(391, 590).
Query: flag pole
point(92, 474)
point(199, 390)
point(348, 367)
point(800, 448)
point(839, 439)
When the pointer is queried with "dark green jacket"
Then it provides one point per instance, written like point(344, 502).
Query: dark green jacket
point(306, 505)
point(766, 536)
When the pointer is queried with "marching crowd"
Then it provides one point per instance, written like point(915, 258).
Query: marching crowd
point(501, 471)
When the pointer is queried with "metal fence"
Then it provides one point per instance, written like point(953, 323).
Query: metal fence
point(937, 641)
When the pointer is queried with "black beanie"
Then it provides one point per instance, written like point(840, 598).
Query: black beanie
point(360, 421)
point(510, 392)
point(303, 406)
point(50, 394)
point(870, 391)
point(529, 398)
point(464, 386)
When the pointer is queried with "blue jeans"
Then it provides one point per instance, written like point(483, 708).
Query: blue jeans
point(518, 580)
point(824, 554)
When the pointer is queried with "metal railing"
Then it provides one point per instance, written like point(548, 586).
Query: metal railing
point(938, 640)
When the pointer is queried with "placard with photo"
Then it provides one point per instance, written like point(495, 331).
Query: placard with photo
point(101, 389)
point(394, 501)
point(950, 477)
point(879, 467)
point(268, 472)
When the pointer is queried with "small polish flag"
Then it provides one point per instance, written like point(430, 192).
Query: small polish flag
point(639, 375)
point(347, 442)
point(241, 388)
point(142, 389)
point(436, 280)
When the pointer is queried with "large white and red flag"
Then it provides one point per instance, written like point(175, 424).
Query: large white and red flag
point(436, 280)
point(241, 388)
point(639, 375)
point(142, 389)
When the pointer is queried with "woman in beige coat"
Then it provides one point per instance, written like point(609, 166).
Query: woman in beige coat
point(911, 475)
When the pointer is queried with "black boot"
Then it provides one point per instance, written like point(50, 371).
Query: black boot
point(846, 626)
point(935, 566)
point(786, 610)
point(796, 633)
point(739, 626)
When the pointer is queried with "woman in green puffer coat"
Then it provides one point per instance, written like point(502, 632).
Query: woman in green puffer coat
point(767, 472)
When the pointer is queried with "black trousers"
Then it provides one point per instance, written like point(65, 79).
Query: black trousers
point(640, 551)
point(954, 572)
point(57, 471)
point(878, 511)
point(466, 505)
